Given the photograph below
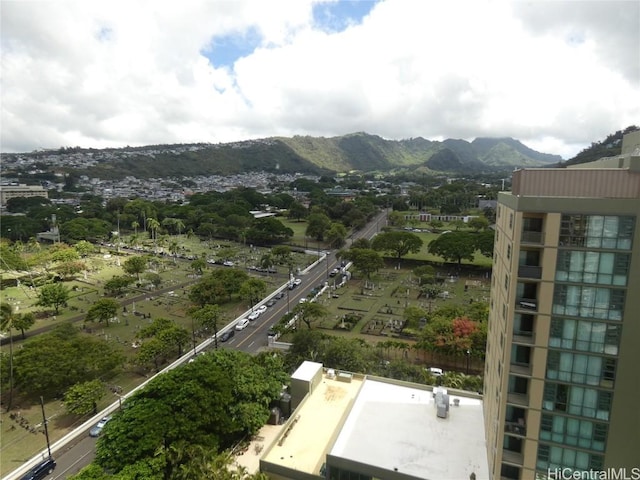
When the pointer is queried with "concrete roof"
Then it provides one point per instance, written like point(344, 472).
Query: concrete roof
point(396, 427)
point(385, 425)
point(303, 444)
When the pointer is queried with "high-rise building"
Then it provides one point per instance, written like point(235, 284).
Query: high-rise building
point(562, 378)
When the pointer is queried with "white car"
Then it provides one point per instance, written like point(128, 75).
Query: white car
point(435, 371)
point(297, 282)
point(242, 324)
point(261, 309)
point(254, 315)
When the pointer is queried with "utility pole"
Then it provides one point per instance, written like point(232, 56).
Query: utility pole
point(46, 430)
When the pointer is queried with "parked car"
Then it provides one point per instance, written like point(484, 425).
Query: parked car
point(435, 371)
point(44, 468)
point(242, 324)
point(227, 335)
point(297, 282)
point(279, 295)
point(96, 430)
point(261, 309)
point(271, 302)
point(254, 315)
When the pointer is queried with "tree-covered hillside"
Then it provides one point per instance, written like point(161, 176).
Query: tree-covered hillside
point(609, 147)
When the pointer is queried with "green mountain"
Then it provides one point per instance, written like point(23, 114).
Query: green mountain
point(302, 154)
point(361, 151)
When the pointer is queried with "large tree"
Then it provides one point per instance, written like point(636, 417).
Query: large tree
point(53, 295)
point(308, 312)
point(454, 246)
point(82, 398)
point(397, 243)
point(317, 226)
point(213, 402)
point(365, 260)
point(51, 362)
point(135, 265)
point(103, 310)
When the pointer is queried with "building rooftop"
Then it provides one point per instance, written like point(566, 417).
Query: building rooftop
point(388, 425)
point(303, 444)
point(395, 427)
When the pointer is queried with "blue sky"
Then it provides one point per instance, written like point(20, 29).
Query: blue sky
point(556, 75)
point(330, 17)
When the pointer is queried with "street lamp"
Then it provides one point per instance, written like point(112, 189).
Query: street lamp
point(468, 358)
point(193, 337)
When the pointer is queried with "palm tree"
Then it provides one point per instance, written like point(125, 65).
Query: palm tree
point(6, 323)
point(135, 226)
point(179, 224)
point(173, 249)
point(153, 225)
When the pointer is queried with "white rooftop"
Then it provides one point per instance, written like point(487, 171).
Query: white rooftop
point(396, 427)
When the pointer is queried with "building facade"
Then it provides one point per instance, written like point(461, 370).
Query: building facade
point(8, 192)
point(562, 371)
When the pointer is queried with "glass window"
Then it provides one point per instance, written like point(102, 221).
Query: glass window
point(551, 457)
point(584, 335)
point(580, 368)
point(604, 268)
point(588, 302)
point(573, 431)
point(597, 231)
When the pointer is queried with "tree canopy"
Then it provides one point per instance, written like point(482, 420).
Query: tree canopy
point(212, 402)
point(51, 362)
point(397, 243)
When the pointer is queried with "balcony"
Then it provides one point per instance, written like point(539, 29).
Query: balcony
point(513, 458)
point(534, 238)
point(523, 326)
point(521, 399)
point(515, 422)
point(525, 303)
point(530, 271)
point(515, 428)
point(532, 230)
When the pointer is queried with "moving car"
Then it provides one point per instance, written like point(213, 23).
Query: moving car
point(96, 430)
point(227, 335)
point(41, 470)
point(242, 324)
point(261, 309)
point(254, 315)
point(279, 295)
point(271, 302)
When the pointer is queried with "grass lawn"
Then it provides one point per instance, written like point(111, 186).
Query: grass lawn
point(20, 438)
point(370, 310)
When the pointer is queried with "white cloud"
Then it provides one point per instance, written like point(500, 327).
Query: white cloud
point(556, 75)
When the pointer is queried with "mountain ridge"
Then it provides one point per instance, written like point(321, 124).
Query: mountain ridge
point(357, 151)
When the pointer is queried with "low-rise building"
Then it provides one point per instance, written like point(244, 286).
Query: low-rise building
point(346, 426)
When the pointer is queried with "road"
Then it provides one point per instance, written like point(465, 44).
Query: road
point(78, 452)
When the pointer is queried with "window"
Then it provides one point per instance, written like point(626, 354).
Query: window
point(511, 221)
point(579, 368)
point(506, 282)
point(599, 231)
point(573, 431)
point(508, 252)
point(552, 457)
point(604, 268)
point(576, 400)
point(585, 335)
point(588, 302)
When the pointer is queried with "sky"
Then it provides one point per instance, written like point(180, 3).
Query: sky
point(556, 75)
